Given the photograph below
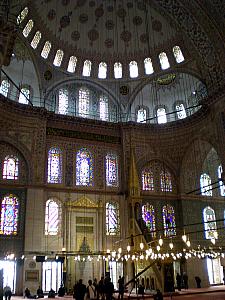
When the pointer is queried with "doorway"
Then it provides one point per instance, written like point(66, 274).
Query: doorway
point(9, 273)
point(51, 275)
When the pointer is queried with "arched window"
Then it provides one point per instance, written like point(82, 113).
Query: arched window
point(118, 73)
point(9, 215)
point(209, 219)
point(104, 108)
point(24, 95)
point(72, 64)
point(27, 29)
point(205, 184)
point(111, 166)
point(147, 180)
point(148, 215)
point(63, 101)
point(164, 62)
point(46, 49)
point(169, 223)
point(112, 218)
point(166, 181)
point(87, 68)
point(58, 58)
point(4, 88)
point(36, 40)
point(178, 54)
point(222, 186)
point(133, 67)
point(84, 168)
point(148, 66)
point(161, 115)
point(22, 15)
point(55, 165)
point(102, 70)
point(51, 218)
point(141, 115)
point(84, 102)
point(11, 167)
point(181, 113)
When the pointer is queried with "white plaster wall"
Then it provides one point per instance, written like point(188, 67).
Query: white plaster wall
point(197, 267)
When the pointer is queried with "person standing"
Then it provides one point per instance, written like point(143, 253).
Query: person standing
point(185, 279)
point(7, 292)
point(178, 278)
point(121, 287)
point(80, 290)
point(109, 289)
point(91, 293)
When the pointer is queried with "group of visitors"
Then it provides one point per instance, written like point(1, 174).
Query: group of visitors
point(182, 281)
point(103, 289)
point(40, 293)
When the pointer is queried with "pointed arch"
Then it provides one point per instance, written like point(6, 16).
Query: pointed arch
point(148, 215)
point(169, 223)
point(52, 217)
point(9, 215)
point(111, 165)
point(84, 168)
point(209, 219)
point(54, 165)
point(112, 218)
point(11, 167)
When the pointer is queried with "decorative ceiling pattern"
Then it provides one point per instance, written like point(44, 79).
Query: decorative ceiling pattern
point(104, 27)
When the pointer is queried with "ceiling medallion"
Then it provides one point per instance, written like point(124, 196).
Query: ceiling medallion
point(48, 75)
point(75, 35)
point(93, 35)
point(126, 36)
point(166, 79)
point(124, 90)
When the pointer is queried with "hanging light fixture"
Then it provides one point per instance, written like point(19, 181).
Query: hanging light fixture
point(171, 245)
point(141, 246)
point(184, 237)
point(160, 242)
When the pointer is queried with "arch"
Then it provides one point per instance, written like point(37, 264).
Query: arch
point(169, 223)
point(87, 68)
point(148, 215)
point(72, 64)
point(11, 167)
point(9, 215)
point(206, 185)
point(111, 167)
point(112, 218)
point(178, 54)
point(118, 70)
point(22, 15)
point(147, 179)
point(5, 87)
point(209, 219)
point(55, 165)
point(133, 68)
point(25, 94)
point(52, 217)
point(58, 58)
point(46, 50)
point(102, 70)
point(36, 40)
point(84, 168)
point(164, 62)
point(27, 29)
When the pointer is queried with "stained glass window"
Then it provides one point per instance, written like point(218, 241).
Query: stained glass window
point(4, 88)
point(148, 66)
point(51, 218)
point(72, 64)
point(210, 228)
point(169, 223)
point(181, 113)
point(205, 184)
point(87, 68)
point(27, 29)
point(11, 167)
point(84, 168)
point(63, 101)
point(22, 15)
point(147, 180)
point(55, 165)
point(222, 186)
point(161, 115)
point(112, 218)
point(164, 62)
point(58, 58)
point(141, 115)
point(84, 98)
point(104, 108)
point(36, 40)
point(24, 95)
point(148, 215)
point(111, 165)
point(166, 181)
point(102, 70)
point(118, 70)
point(46, 49)
point(178, 54)
point(9, 215)
point(133, 67)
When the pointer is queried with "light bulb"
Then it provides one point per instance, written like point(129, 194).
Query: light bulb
point(171, 245)
point(188, 243)
point(158, 248)
point(120, 250)
point(213, 241)
point(184, 238)
point(108, 251)
point(141, 246)
point(128, 248)
point(160, 242)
